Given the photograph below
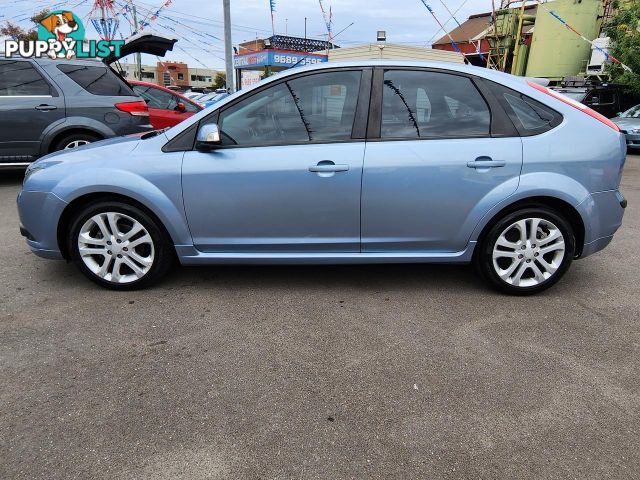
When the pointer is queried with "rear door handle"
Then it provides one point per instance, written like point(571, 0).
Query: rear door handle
point(46, 108)
point(328, 168)
point(485, 162)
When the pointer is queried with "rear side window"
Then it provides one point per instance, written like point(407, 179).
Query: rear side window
point(419, 104)
point(20, 78)
point(529, 116)
point(97, 80)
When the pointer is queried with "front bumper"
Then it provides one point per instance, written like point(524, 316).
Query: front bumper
point(39, 216)
point(632, 139)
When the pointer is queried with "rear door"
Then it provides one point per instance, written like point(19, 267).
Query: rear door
point(29, 103)
point(440, 153)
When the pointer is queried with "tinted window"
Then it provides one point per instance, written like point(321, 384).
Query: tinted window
point(97, 80)
point(419, 104)
point(529, 116)
point(21, 78)
point(318, 107)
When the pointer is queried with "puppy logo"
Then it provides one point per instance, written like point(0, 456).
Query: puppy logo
point(62, 29)
point(60, 24)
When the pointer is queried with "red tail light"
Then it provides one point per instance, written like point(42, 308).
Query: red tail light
point(137, 109)
point(574, 104)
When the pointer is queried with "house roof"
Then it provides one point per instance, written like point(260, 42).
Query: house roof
point(476, 26)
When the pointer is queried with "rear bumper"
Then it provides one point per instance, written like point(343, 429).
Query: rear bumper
point(602, 213)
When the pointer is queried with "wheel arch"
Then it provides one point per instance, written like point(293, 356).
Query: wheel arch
point(562, 207)
point(73, 130)
point(73, 207)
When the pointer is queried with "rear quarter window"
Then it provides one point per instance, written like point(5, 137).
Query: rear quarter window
point(529, 116)
point(97, 80)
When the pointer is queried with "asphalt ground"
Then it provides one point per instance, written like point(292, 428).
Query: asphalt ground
point(406, 371)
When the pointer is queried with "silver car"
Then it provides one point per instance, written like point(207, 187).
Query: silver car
point(629, 123)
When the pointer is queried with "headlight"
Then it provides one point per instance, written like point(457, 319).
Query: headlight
point(31, 169)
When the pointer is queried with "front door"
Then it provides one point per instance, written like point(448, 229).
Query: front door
point(28, 105)
point(435, 169)
point(287, 176)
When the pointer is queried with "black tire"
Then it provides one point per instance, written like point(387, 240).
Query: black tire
point(162, 250)
point(74, 137)
point(484, 263)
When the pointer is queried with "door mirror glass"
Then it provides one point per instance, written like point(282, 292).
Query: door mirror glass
point(208, 136)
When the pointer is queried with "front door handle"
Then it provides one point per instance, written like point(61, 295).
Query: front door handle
point(485, 162)
point(327, 166)
point(46, 108)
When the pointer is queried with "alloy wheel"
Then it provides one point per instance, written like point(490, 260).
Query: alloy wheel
point(76, 143)
point(528, 252)
point(116, 247)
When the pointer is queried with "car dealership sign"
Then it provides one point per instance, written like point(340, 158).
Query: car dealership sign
point(277, 58)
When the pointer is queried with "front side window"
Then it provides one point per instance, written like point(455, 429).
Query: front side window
point(317, 108)
point(418, 104)
point(156, 98)
point(97, 80)
point(20, 78)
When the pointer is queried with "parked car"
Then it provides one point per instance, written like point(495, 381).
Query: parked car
point(629, 124)
point(166, 107)
point(605, 98)
point(462, 164)
point(212, 98)
point(48, 105)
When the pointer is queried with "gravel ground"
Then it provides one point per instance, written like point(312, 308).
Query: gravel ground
point(319, 372)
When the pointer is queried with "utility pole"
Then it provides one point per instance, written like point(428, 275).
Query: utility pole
point(138, 72)
point(228, 46)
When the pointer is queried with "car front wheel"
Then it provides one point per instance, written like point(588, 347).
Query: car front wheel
point(119, 246)
point(526, 251)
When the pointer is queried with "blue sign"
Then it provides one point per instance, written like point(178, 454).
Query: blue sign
point(275, 58)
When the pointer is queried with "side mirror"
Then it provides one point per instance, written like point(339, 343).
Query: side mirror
point(181, 107)
point(208, 137)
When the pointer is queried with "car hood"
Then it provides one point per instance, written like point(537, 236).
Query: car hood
point(127, 144)
point(626, 123)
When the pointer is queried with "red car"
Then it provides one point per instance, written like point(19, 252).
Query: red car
point(166, 107)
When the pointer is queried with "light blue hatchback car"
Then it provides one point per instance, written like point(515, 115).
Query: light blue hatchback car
point(343, 163)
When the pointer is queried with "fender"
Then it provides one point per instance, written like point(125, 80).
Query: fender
point(72, 123)
point(540, 184)
point(166, 204)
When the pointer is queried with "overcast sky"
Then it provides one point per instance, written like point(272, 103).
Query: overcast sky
point(196, 22)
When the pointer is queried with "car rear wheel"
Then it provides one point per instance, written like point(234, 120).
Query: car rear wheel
point(526, 251)
point(119, 246)
point(74, 140)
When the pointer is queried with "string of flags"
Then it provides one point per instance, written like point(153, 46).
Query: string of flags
point(272, 7)
point(453, 42)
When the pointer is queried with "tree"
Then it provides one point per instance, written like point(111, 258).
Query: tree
point(624, 30)
point(220, 81)
point(16, 32)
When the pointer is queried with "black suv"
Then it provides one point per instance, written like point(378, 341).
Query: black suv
point(607, 99)
point(48, 105)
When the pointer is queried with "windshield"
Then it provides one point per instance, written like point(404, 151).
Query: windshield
point(633, 112)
